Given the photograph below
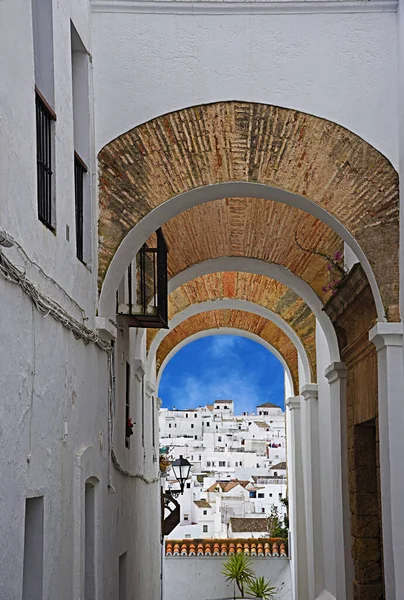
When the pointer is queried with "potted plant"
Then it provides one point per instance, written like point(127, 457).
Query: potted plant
point(238, 570)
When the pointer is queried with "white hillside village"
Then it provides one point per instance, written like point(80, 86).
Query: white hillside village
point(238, 472)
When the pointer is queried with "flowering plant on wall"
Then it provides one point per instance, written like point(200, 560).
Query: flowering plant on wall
point(129, 427)
point(336, 268)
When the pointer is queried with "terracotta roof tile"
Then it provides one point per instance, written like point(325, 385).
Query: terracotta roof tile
point(281, 465)
point(249, 524)
point(267, 405)
point(269, 547)
point(202, 503)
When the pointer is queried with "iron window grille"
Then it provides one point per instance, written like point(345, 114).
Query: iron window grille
point(44, 141)
point(80, 169)
point(147, 288)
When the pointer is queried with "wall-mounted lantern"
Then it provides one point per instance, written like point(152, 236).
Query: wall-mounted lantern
point(181, 468)
point(143, 300)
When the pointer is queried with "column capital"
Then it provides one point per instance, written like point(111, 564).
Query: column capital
point(386, 334)
point(139, 368)
point(150, 389)
point(336, 370)
point(310, 390)
point(293, 402)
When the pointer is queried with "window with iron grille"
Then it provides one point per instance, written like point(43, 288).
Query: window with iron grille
point(80, 170)
point(44, 142)
point(127, 404)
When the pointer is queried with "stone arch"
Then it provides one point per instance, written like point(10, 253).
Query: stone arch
point(293, 157)
point(233, 319)
point(308, 369)
point(224, 331)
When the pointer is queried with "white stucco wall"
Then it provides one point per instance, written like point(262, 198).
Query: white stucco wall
point(54, 388)
point(338, 66)
point(200, 577)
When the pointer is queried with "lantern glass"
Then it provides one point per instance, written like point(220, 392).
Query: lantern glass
point(181, 468)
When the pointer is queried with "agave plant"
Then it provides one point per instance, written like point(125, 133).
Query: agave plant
point(238, 569)
point(259, 587)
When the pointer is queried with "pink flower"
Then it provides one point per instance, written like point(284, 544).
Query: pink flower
point(338, 255)
point(329, 267)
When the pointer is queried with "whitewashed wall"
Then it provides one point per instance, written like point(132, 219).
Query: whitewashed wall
point(339, 66)
point(200, 577)
point(54, 388)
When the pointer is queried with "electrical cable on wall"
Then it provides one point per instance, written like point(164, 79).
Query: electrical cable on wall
point(46, 306)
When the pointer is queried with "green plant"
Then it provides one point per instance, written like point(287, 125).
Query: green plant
point(261, 588)
point(238, 569)
point(276, 527)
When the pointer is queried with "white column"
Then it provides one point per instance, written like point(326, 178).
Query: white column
point(311, 460)
point(298, 546)
point(336, 374)
point(388, 339)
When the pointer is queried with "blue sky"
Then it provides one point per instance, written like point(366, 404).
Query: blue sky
point(222, 367)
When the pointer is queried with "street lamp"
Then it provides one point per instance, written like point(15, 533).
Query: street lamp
point(181, 468)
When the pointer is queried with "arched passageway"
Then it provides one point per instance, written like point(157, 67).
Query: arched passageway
point(254, 201)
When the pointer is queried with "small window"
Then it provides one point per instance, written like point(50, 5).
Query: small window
point(261, 495)
point(205, 529)
point(208, 424)
point(205, 512)
point(219, 439)
point(263, 509)
point(195, 415)
point(188, 485)
point(200, 457)
point(217, 426)
point(253, 494)
point(169, 426)
point(270, 495)
point(192, 425)
point(222, 463)
point(33, 548)
point(280, 496)
point(236, 464)
point(128, 428)
point(213, 464)
point(276, 474)
point(186, 517)
point(258, 465)
point(241, 463)
point(208, 463)
point(187, 535)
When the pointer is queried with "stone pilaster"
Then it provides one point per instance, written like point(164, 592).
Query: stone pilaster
point(336, 374)
point(312, 476)
point(297, 509)
point(388, 339)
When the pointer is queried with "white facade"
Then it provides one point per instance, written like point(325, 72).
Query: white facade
point(223, 447)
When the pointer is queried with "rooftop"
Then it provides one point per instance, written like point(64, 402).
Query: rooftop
point(268, 405)
point(281, 465)
point(202, 503)
point(227, 547)
point(226, 486)
point(223, 401)
point(239, 524)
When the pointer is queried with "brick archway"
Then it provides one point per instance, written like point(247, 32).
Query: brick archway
point(241, 142)
point(248, 288)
